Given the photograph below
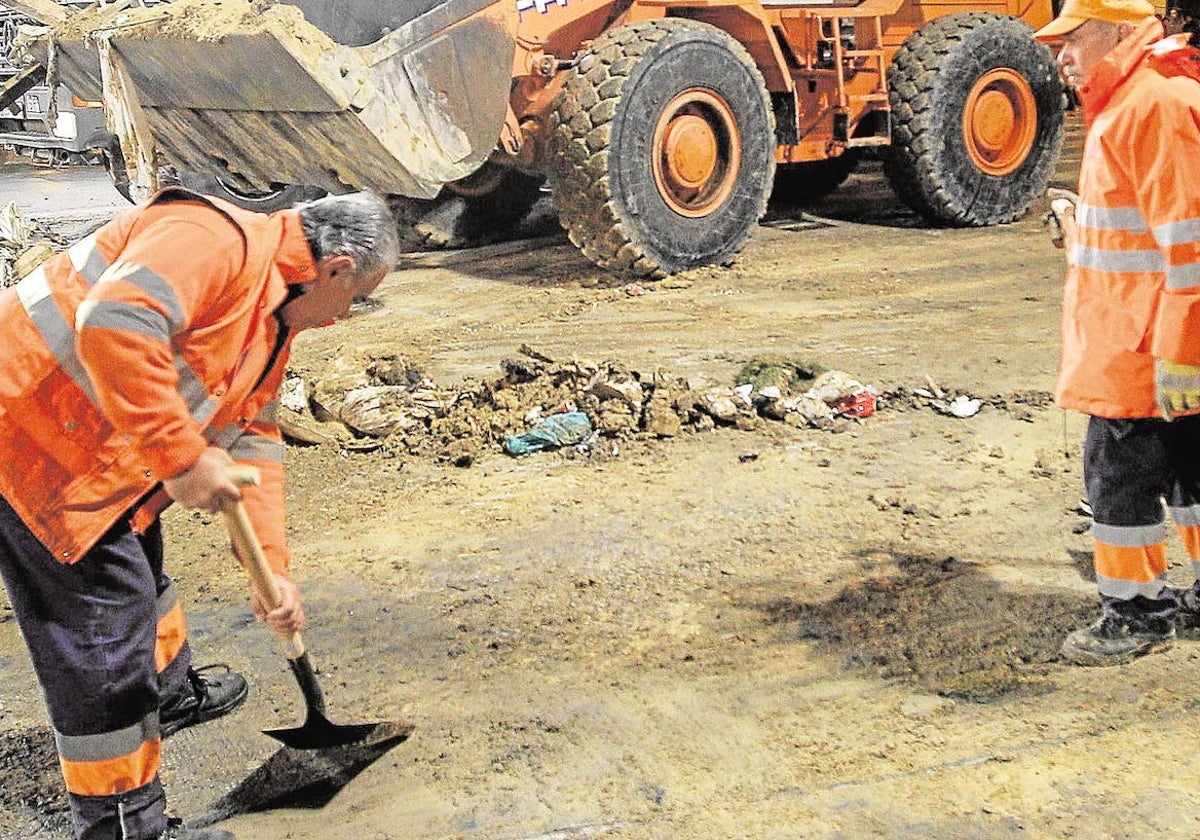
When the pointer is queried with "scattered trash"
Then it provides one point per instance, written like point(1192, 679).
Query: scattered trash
point(293, 394)
point(800, 393)
point(15, 230)
point(1021, 405)
point(618, 383)
point(369, 398)
point(960, 405)
point(964, 406)
point(557, 430)
point(24, 244)
point(382, 410)
point(844, 394)
point(832, 385)
point(816, 412)
point(862, 404)
point(19, 253)
point(302, 427)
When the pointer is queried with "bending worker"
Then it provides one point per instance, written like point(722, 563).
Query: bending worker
point(138, 366)
point(1131, 315)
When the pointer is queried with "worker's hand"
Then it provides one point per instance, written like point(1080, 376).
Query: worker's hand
point(1060, 221)
point(206, 483)
point(1177, 388)
point(288, 617)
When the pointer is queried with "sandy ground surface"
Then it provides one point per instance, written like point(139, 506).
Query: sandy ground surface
point(762, 632)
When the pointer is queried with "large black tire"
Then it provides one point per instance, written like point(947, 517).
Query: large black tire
point(804, 182)
point(483, 207)
point(269, 200)
point(977, 110)
point(663, 148)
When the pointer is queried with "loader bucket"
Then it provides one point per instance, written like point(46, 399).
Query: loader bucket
point(258, 93)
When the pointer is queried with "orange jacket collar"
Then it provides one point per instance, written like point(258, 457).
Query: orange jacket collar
point(294, 257)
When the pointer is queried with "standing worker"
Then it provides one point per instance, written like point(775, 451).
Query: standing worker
point(138, 366)
point(1183, 16)
point(1131, 315)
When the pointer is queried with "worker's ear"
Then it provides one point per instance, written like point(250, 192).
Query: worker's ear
point(338, 266)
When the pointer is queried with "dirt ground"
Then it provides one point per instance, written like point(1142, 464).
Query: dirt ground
point(760, 630)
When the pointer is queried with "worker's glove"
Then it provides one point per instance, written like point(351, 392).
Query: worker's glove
point(1177, 388)
point(1060, 221)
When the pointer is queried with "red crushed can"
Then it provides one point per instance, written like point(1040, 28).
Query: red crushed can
point(862, 404)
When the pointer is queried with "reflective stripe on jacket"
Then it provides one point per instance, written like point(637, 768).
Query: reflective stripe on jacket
point(1133, 280)
point(130, 353)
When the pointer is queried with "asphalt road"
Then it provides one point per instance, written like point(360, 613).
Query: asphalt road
point(69, 200)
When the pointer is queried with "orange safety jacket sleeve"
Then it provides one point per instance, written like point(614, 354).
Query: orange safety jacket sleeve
point(1164, 174)
point(261, 446)
point(135, 324)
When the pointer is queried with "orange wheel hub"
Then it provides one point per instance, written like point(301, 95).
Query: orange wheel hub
point(696, 153)
point(1000, 121)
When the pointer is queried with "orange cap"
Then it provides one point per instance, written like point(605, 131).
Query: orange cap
point(1077, 12)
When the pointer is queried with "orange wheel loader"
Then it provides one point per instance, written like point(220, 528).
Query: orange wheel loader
point(660, 126)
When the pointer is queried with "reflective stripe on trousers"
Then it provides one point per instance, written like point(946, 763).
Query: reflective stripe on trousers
point(94, 629)
point(1131, 467)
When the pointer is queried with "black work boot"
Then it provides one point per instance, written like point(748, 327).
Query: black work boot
point(176, 830)
point(203, 697)
point(1124, 631)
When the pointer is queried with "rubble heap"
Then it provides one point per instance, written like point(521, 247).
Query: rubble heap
point(364, 401)
point(23, 244)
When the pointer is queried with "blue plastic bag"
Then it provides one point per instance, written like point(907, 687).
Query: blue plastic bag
point(554, 431)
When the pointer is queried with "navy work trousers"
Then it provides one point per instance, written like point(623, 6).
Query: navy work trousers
point(1131, 467)
point(90, 627)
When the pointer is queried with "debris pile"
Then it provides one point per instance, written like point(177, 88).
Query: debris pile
point(375, 399)
point(24, 244)
point(567, 428)
point(365, 401)
point(955, 403)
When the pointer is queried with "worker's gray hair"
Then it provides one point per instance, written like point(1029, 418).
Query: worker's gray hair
point(358, 225)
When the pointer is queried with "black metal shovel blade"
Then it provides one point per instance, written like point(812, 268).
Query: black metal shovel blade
point(318, 732)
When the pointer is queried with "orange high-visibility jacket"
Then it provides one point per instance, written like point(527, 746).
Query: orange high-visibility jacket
point(127, 355)
point(1133, 280)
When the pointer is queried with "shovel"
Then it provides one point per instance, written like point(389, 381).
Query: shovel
point(317, 732)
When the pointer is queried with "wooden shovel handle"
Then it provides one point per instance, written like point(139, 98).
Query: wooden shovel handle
point(250, 553)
